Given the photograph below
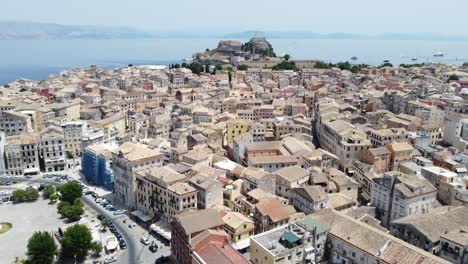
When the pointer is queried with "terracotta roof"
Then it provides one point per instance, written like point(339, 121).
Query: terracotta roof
point(196, 221)
point(274, 209)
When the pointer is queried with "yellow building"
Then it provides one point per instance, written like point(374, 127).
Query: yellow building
point(239, 228)
point(235, 128)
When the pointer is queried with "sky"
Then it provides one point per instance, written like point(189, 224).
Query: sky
point(326, 16)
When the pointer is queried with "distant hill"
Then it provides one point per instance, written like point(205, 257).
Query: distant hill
point(32, 30)
point(341, 35)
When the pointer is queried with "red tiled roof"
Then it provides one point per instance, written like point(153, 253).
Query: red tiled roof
point(218, 252)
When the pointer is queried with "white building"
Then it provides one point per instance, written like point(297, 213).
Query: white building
point(397, 195)
point(53, 149)
point(126, 160)
point(22, 154)
point(13, 123)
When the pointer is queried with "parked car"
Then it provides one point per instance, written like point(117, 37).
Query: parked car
point(101, 217)
point(161, 260)
point(144, 240)
point(122, 244)
point(110, 259)
point(118, 212)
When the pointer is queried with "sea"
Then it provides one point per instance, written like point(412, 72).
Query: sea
point(37, 59)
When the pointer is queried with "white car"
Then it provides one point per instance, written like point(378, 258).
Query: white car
point(110, 259)
point(145, 241)
point(119, 212)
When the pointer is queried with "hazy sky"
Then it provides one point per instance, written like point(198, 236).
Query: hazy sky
point(354, 16)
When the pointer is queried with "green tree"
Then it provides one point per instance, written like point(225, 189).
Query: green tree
point(322, 65)
point(96, 248)
point(19, 196)
point(287, 57)
point(48, 191)
point(72, 212)
point(196, 67)
point(285, 65)
point(104, 224)
point(32, 195)
point(242, 67)
point(386, 64)
point(70, 191)
point(76, 241)
point(54, 197)
point(453, 77)
point(41, 248)
point(219, 67)
point(411, 65)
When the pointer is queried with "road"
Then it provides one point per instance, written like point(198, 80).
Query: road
point(130, 255)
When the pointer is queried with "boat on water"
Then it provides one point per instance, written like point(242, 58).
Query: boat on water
point(354, 58)
point(414, 59)
point(438, 54)
point(386, 61)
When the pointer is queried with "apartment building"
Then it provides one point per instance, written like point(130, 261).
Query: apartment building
point(126, 160)
point(271, 213)
point(52, 149)
point(152, 190)
point(380, 158)
point(209, 191)
point(425, 231)
point(397, 195)
point(185, 229)
point(340, 137)
point(22, 154)
point(309, 199)
point(350, 240)
point(96, 164)
point(180, 197)
point(383, 137)
point(13, 123)
point(235, 128)
point(289, 178)
point(74, 131)
point(300, 242)
point(239, 228)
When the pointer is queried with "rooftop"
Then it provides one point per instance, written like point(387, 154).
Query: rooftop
point(199, 220)
point(381, 245)
point(438, 222)
point(136, 151)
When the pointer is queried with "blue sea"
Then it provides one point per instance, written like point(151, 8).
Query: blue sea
point(36, 59)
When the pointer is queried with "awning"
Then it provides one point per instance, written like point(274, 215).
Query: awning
point(143, 217)
point(461, 169)
point(31, 170)
point(161, 230)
